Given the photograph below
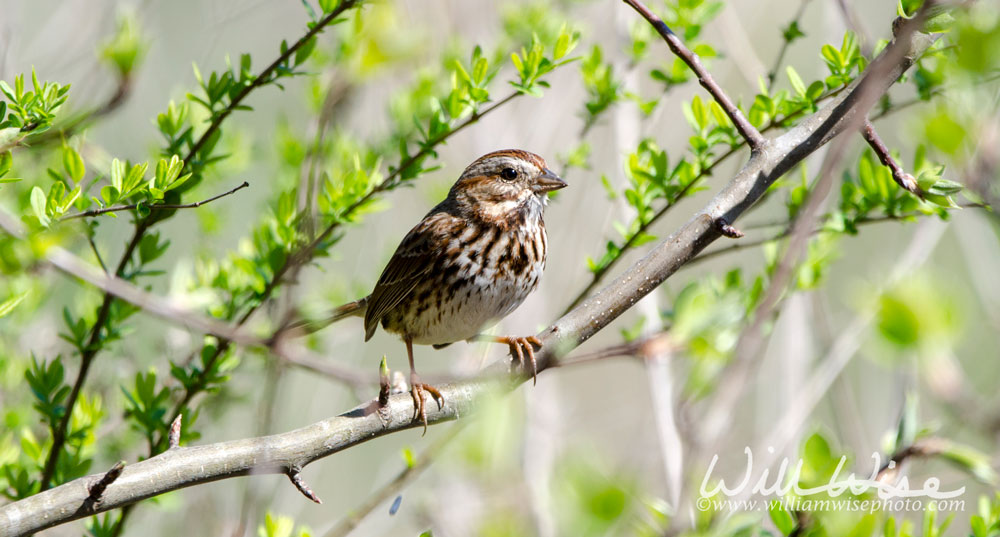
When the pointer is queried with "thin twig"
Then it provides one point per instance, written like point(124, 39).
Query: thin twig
point(743, 245)
point(904, 180)
point(745, 128)
point(97, 253)
point(155, 206)
point(922, 447)
point(785, 42)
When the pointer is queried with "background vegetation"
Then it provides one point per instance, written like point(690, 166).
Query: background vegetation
point(349, 120)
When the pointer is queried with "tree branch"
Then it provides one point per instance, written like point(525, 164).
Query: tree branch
point(743, 245)
point(785, 42)
point(746, 130)
point(66, 262)
point(923, 447)
point(186, 466)
point(154, 207)
point(903, 179)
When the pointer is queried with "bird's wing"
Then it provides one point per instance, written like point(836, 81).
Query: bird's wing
point(411, 262)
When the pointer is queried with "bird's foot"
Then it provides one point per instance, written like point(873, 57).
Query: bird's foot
point(521, 346)
point(417, 389)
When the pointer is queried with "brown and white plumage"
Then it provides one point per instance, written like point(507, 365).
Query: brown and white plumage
point(473, 259)
point(470, 262)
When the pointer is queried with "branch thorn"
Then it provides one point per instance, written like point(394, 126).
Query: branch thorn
point(295, 475)
point(727, 229)
point(97, 489)
point(174, 437)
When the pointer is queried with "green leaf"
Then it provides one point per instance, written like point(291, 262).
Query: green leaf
point(8, 305)
point(6, 162)
point(815, 91)
point(942, 22)
point(73, 164)
point(782, 519)
point(833, 58)
point(945, 187)
point(796, 81)
point(110, 194)
point(792, 32)
point(943, 201)
point(134, 177)
point(281, 526)
point(38, 202)
point(516, 60)
point(117, 175)
point(150, 247)
point(720, 115)
point(302, 54)
point(699, 111)
point(70, 199)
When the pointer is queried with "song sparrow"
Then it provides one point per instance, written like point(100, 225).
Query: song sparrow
point(470, 262)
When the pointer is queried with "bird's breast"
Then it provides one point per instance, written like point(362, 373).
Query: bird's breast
point(479, 277)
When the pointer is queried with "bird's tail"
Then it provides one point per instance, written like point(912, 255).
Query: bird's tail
point(351, 309)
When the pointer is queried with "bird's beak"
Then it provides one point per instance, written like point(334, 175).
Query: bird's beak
point(547, 182)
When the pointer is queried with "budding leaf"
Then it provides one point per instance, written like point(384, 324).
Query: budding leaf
point(38, 202)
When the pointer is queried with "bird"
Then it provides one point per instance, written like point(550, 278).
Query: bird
point(467, 264)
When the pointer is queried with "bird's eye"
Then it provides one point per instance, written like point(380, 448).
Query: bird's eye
point(508, 174)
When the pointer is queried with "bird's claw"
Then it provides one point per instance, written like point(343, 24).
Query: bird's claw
point(519, 346)
point(417, 390)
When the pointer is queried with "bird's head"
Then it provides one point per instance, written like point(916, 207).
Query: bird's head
point(504, 182)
